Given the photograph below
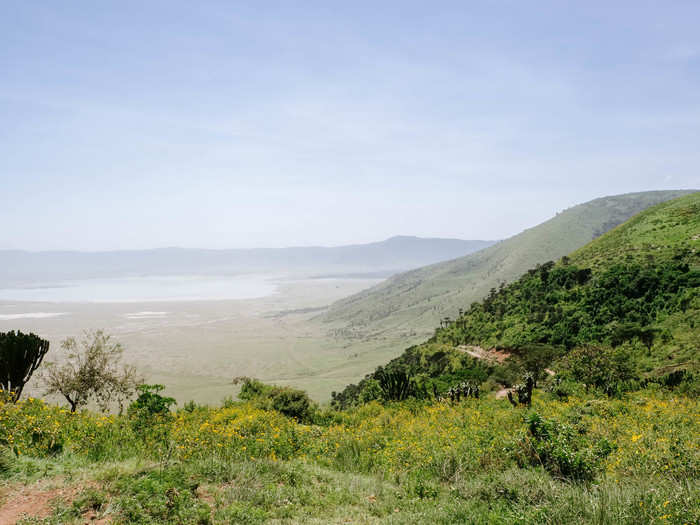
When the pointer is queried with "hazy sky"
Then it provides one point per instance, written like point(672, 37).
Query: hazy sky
point(237, 124)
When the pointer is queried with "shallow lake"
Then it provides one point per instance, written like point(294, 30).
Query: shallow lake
point(146, 289)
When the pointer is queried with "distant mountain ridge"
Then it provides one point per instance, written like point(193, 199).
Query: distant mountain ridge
point(395, 254)
point(411, 304)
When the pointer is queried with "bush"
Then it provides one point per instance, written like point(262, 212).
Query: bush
point(291, 402)
point(149, 408)
point(561, 450)
point(371, 391)
point(7, 462)
point(608, 369)
point(150, 401)
point(563, 388)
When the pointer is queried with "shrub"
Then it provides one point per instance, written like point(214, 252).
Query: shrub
point(561, 450)
point(608, 369)
point(291, 402)
point(160, 497)
point(149, 409)
point(7, 462)
point(371, 391)
point(150, 401)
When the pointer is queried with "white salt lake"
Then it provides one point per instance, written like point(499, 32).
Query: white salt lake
point(146, 289)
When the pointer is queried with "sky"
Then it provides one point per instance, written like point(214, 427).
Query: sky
point(128, 125)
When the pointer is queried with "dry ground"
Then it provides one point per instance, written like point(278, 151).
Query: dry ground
point(195, 348)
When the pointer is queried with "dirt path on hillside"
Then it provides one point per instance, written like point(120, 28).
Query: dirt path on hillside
point(494, 356)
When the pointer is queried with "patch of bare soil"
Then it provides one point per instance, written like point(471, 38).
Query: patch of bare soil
point(493, 354)
point(503, 392)
point(36, 501)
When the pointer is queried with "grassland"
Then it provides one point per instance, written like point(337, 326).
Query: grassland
point(633, 293)
point(408, 306)
point(632, 460)
point(197, 347)
point(611, 436)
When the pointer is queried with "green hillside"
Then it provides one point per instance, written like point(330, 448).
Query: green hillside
point(636, 290)
point(602, 429)
point(411, 304)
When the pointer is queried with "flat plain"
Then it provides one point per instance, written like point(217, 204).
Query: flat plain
point(196, 348)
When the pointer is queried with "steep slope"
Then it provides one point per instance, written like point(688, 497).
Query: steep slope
point(635, 289)
point(411, 304)
point(392, 255)
point(639, 281)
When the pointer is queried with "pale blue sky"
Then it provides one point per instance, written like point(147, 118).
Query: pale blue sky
point(238, 124)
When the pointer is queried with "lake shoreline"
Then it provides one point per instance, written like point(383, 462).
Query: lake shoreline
point(196, 347)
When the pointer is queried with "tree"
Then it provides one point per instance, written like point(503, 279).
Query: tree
point(395, 383)
point(92, 371)
point(20, 356)
point(371, 391)
point(524, 391)
point(609, 369)
point(535, 358)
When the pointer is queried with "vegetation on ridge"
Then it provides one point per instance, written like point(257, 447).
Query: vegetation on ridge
point(609, 436)
point(411, 304)
point(636, 289)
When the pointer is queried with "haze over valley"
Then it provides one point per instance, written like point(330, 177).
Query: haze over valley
point(403, 263)
point(314, 318)
point(194, 319)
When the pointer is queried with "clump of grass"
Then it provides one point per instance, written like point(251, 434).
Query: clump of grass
point(7, 462)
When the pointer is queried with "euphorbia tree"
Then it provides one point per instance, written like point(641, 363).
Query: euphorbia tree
point(20, 356)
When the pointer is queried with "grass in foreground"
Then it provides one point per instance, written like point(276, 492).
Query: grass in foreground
point(582, 460)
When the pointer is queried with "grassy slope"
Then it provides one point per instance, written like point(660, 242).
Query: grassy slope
point(474, 462)
point(466, 463)
point(411, 304)
point(642, 280)
point(666, 233)
point(661, 233)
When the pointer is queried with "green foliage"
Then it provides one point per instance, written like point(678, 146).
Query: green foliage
point(92, 371)
point(90, 499)
point(608, 369)
point(523, 391)
point(167, 496)
point(561, 450)
point(411, 304)
point(548, 307)
point(149, 413)
point(421, 372)
point(562, 388)
point(371, 391)
point(20, 356)
point(291, 402)
point(534, 358)
point(150, 402)
point(634, 313)
point(624, 321)
point(478, 461)
point(7, 461)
